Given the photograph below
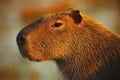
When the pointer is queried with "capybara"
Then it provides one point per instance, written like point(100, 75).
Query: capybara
point(82, 48)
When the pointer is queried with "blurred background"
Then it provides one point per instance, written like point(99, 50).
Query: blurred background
point(16, 14)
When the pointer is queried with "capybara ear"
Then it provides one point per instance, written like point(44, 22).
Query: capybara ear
point(75, 14)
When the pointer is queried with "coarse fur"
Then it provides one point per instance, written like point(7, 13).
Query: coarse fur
point(82, 48)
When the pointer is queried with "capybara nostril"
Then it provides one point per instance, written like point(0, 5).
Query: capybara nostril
point(21, 40)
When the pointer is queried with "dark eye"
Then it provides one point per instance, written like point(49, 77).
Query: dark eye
point(57, 24)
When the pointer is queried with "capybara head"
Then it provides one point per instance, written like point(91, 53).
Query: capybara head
point(82, 48)
point(51, 37)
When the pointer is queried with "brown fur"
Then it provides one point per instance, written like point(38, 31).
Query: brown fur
point(83, 50)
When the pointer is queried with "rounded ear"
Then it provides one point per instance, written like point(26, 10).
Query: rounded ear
point(75, 14)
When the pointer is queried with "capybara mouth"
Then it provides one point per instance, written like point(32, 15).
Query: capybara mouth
point(23, 51)
point(27, 55)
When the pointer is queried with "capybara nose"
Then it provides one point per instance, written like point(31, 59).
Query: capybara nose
point(21, 39)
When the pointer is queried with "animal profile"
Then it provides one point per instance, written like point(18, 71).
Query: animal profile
point(82, 48)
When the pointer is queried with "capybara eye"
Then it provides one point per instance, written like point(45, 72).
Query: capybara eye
point(57, 24)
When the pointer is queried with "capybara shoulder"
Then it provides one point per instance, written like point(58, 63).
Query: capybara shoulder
point(82, 48)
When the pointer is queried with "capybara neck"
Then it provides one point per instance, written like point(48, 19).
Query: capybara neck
point(101, 66)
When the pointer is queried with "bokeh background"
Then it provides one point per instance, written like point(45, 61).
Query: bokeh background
point(16, 14)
